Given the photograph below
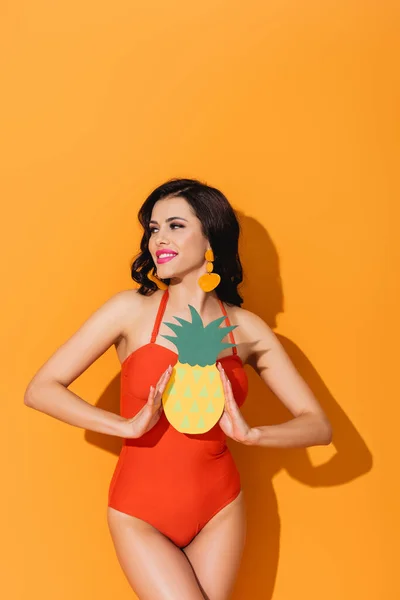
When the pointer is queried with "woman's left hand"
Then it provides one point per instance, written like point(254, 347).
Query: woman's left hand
point(232, 422)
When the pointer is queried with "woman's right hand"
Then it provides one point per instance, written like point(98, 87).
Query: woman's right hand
point(148, 416)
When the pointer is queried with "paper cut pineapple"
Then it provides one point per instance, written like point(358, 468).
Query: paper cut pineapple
point(194, 400)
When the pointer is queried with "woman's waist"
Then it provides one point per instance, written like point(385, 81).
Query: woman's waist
point(164, 437)
point(179, 451)
point(143, 465)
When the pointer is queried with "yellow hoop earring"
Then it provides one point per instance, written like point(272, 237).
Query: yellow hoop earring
point(160, 284)
point(209, 280)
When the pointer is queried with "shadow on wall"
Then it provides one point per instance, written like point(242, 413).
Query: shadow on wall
point(262, 291)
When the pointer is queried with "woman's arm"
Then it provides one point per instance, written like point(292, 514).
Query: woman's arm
point(310, 425)
point(301, 432)
point(47, 391)
point(54, 399)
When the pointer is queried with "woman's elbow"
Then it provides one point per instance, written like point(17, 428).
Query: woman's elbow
point(30, 396)
point(326, 429)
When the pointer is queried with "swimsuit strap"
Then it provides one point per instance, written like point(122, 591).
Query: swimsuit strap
point(234, 349)
point(160, 313)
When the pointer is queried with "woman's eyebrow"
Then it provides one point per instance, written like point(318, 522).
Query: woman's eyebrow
point(169, 219)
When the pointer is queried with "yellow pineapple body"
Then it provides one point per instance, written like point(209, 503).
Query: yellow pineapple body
point(193, 400)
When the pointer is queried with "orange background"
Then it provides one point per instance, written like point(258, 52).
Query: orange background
point(291, 109)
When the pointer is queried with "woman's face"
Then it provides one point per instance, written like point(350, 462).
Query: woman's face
point(174, 228)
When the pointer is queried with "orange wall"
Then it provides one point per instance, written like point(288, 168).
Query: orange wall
point(291, 109)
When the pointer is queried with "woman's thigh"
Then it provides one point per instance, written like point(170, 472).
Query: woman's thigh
point(216, 551)
point(154, 566)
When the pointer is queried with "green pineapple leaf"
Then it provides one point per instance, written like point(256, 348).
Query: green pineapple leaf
point(196, 344)
point(196, 318)
point(183, 321)
point(216, 323)
point(173, 326)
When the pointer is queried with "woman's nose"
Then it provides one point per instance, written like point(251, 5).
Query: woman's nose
point(161, 242)
point(161, 239)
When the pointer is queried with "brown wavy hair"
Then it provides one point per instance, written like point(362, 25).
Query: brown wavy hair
point(220, 226)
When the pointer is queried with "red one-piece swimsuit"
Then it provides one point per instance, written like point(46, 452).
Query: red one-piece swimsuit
point(175, 481)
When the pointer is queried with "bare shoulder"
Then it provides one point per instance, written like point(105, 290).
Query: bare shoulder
point(253, 333)
point(248, 319)
point(120, 307)
point(104, 327)
point(128, 303)
point(135, 306)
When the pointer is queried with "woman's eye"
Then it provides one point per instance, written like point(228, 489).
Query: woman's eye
point(152, 229)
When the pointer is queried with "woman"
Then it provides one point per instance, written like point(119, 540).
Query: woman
point(175, 506)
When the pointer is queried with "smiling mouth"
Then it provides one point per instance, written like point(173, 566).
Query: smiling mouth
point(165, 257)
